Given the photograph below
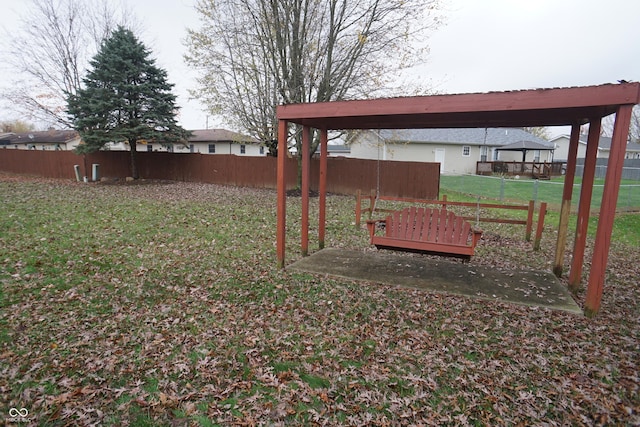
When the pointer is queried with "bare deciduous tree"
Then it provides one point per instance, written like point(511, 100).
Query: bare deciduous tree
point(255, 54)
point(16, 126)
point(51, 50)
point(634, 130)
point(540, 132)
point(634, 127)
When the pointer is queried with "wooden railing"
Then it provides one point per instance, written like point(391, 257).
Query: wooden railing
point(537, 170)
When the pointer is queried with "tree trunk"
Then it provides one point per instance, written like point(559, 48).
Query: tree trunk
point(314, 143)
point(134, 164)
point(299, 175)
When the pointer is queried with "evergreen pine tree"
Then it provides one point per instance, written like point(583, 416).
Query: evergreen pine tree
point(125, 98)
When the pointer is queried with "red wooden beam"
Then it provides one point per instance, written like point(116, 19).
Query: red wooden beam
point(536, 99)
point(565, 210)
point(282, 192)
point(584, 209)
point(543, 106)
point(540, 227)
point(304, 232)
point(532, 206)
point(608, 210)
point(322, 198)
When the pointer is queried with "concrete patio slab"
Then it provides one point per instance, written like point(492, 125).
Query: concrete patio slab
point(531, 288)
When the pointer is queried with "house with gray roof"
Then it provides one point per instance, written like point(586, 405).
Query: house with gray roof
point(222, 141)
point(204, 141)
point(457, 150)
point(53, 139)
point(561, 143)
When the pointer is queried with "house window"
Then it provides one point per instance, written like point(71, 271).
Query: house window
point(536, 156)
point(212, 148)
point(261, 150)
point(466, 150)
point(243, 149)
point(149, 147)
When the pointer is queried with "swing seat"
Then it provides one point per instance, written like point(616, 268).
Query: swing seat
point(425, 230)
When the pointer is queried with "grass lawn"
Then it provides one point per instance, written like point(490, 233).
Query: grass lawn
point(525, 189)
point(160, 304)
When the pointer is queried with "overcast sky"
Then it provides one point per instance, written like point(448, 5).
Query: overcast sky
point(488, 45)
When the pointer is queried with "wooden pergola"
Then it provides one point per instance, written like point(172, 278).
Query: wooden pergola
point(573, 106)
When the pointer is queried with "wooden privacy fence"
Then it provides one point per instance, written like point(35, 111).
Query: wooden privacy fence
point(391, 178)
point(344, 175)
point(528, 223)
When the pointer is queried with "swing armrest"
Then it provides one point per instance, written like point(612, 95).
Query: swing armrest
point(477, 234)
point(371, 225)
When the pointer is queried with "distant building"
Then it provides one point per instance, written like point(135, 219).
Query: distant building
point(561, 143)
point(206, 141)
point(43, 140)
point(457, 150)
point(222, 141)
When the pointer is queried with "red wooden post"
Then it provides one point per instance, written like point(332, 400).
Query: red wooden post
point(282, 192)
point(532, 206)
point(304, 232)
point(373, 195)
point(567, 191)
point(322, 199)
point(608, 210)
point(586, 192)
point(540, 227)
point(358, 207)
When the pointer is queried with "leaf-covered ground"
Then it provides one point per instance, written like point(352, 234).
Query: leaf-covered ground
point(161, 304)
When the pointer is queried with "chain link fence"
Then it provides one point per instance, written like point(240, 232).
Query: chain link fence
point(631, 170)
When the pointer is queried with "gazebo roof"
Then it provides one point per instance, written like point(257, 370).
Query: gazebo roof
point(537, 107)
